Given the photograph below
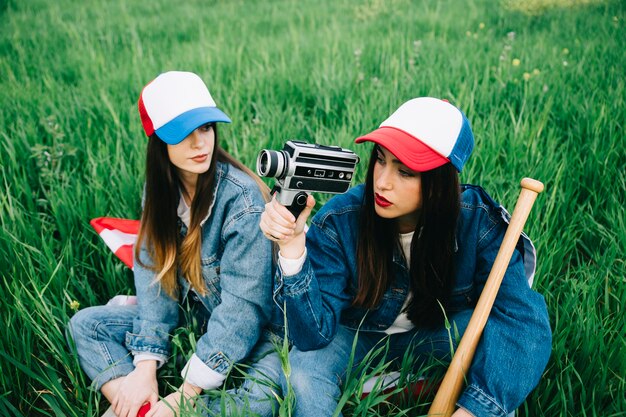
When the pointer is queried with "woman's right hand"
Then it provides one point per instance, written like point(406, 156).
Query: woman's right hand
point(138, 387)
point(280, 226)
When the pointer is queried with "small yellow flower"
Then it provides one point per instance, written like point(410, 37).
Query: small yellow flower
point(516, 62)
point(565, 51)
point(536, 72)
point(468, 33)
point(75, 305)
point(526, 76)
point(481, 25)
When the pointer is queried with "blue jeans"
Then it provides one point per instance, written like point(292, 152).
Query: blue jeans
point(264, 381)
point(99, 334)
point(317, 375)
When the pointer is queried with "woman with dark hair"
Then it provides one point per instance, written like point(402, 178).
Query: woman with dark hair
point(390, 260)
point(199, 243)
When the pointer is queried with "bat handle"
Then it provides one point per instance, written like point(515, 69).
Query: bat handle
point(452, 384)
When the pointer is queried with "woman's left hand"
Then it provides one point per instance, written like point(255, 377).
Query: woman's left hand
point(170, 405)
point(167, 407)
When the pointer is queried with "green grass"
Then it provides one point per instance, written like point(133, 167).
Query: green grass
point(72, 148)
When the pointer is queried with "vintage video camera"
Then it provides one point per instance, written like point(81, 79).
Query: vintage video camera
point(303, 167)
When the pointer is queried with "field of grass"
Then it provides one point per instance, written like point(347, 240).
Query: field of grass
point(543, 85)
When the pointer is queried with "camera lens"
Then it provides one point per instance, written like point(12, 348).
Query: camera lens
point(270, 163)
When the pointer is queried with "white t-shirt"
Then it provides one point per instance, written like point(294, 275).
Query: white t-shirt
point(402, 322)
point(184, 211)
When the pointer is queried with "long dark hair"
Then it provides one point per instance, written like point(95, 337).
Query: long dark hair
point(159, 227)
point(432, 248)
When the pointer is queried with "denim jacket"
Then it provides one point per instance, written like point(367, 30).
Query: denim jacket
point(237, 269)
point(516, 341)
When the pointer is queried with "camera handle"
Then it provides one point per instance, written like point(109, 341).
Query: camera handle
point(298, 204)
point(294, 200)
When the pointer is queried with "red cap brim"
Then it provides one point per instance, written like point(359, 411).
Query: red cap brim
point(408, 149)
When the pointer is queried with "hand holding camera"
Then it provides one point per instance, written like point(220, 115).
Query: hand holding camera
point(301, 168)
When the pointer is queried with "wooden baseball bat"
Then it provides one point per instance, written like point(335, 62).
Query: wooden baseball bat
point(445, 400)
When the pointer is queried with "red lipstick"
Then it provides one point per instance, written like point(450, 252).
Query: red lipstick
point(381, 201)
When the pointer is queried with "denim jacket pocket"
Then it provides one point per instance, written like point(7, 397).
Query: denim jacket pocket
point(378, 318)
point(462, 299)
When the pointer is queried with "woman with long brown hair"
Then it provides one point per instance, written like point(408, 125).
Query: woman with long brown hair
point(199, 243)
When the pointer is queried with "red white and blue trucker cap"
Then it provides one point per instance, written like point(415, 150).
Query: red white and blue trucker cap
point(176, 103)
point(425, 133)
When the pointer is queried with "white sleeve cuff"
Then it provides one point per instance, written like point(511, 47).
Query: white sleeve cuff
point(199, 374)
point(145, 356)
point(291, 266)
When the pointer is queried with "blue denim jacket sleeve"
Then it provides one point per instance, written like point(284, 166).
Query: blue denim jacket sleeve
point(516, 342)
point(316, 296)
point(236, 322)
point(152, 326)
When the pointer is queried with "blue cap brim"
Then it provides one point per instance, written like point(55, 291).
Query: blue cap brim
point(177, 129)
